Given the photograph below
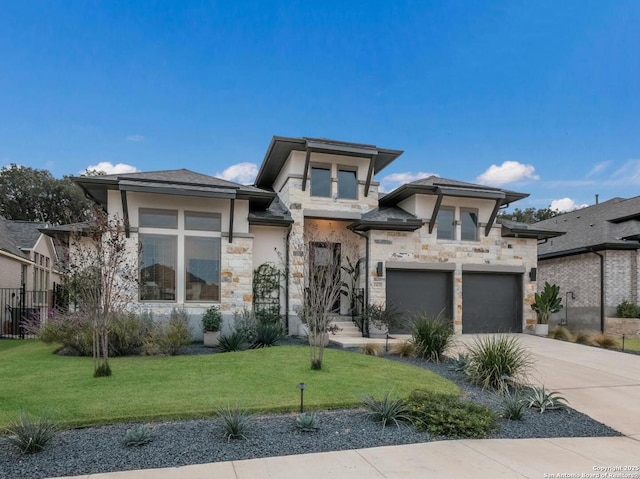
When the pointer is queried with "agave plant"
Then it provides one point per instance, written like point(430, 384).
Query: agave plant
point(307, 422)
point(138, 435)
point(542, 399)
point(547, 302)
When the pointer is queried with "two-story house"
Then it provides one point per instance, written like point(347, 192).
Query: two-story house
point(431, 245)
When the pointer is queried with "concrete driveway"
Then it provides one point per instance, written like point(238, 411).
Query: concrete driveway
point(600, 383)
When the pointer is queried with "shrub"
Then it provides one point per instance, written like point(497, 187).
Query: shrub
point(405, 349)
point(512, 405)
point(128, 332)
point(234, 341)
point(546, 302)
point(71, 330)
point(371, 349)
point(583, 338)
point(562, 333)
point(211, 319)
point(246, 324)
point(267, 335)
point(30, 434)
point(235, 422)
point(431, 336)
point(268, 315)
point(451, 416)
point(628, 310)
point(168, 338)
point(381, 317)
point(495, 360)
point(307, 422)
point(386, 410)
point(542, 399)
point(604, 341)
point(138, 435)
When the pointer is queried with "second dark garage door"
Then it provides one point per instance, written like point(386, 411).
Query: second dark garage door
point(418, 290)
point(491, 303)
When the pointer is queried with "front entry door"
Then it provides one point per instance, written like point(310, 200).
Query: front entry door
point(324, 254)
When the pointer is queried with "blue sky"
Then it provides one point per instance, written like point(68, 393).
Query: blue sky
point(541, 97)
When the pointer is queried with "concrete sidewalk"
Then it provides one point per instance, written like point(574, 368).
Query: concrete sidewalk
point(602, 384)
point(494, 458)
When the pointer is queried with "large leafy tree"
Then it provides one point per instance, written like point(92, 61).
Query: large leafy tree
point(530, 215)
point(36, 195)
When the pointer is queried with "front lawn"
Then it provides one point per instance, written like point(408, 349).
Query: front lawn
point(632, 344)
point(153, 388)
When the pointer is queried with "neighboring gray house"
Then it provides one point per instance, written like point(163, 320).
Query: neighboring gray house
point(596, 260)
point(433, 244)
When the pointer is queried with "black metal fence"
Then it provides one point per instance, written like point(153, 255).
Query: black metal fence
point(19, 308)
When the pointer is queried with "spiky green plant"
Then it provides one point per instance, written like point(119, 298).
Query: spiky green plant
point(307, 422)
point(512, 405)
point(432, 336)
point(386, 410)
point(267, 335)
point(460, 364)
point(236, 422)
point(544, 400)
point(496, 361)
point(30, 434)
point(138, 435)
point(234, 341)
point(546, 302)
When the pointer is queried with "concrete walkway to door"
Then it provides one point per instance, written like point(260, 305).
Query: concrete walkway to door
point(600, 383)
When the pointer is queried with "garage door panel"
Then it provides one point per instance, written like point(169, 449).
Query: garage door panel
point(411, 291)
point(491, 303)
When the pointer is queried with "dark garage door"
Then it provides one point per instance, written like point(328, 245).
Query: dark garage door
point(491, 303)
point(418, 290)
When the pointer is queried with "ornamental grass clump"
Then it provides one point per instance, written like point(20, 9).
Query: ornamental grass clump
point(604, 341)
point(30, 434)
point(497, 361)
point(386, 410)
point(371, 349)
point(583, 338)
point(563, 334)
point(405, 349)
point(432, 336)
point(236, 422)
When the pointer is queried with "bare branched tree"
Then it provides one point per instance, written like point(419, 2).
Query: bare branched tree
point(101, 279)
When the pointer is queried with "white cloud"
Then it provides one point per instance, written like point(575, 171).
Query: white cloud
point(244, 173)
point(508, 172)
point(599, 168)
point(111, 169)
point(566, 204)
point(629, 173)
point(135, 138)
point(392, 181)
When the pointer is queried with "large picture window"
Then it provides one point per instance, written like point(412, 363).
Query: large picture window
point(158, 267)
point(202, 264)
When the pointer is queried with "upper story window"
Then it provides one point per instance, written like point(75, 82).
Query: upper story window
point(195, 220)
point(469, 220)
point(446, 223)
point(321, 181)
point(154, 218)
point(347, 184)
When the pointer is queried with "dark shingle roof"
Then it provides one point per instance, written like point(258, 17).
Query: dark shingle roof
point(387, 218)
point(599, 226)
point(7, 242)
point(276, 214)
point(25, 233)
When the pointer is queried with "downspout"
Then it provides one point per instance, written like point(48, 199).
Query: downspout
point(601, 289)
point(286, 280)
point(366, 268)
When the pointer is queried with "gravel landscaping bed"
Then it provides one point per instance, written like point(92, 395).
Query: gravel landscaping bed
point(176, 443)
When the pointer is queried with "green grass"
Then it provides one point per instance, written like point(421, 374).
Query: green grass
point(154, 388)
point(632, 344)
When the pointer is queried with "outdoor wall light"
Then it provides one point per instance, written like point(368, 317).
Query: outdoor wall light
point(533, 274)
point(569, 294)
point(379, 269)
point(302, 387)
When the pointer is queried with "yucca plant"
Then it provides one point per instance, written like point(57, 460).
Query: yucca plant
point(496, 361)
point(30, 434)
point(236, 422)
point(138, 435)
point(542, 399)
point(267, 335)
point(307, 422)
point(371, 349)
point(405, 349)
point(431, 336)
point(234, 341)
point(386, 410)
point(604, 341)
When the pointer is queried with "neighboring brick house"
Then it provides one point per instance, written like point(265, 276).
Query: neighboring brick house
point(27, 271)
point(605, 235)
point(433, 244)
